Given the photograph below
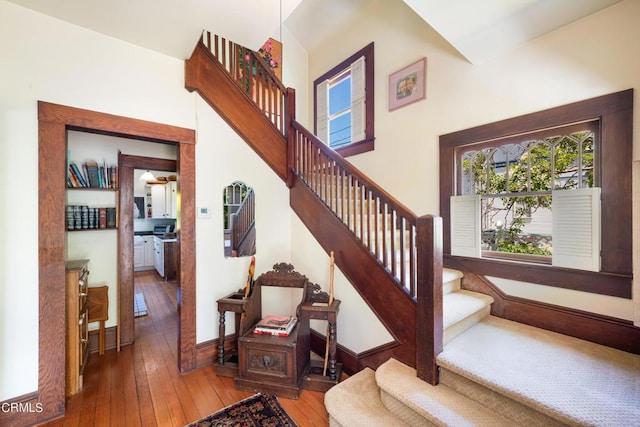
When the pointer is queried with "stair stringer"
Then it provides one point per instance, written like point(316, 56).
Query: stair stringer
point(205, 75)
point(374, 284)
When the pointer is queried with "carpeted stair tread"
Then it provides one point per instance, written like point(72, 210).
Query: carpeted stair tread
point(356, 402)
point(463, 309)
point(571, 380)
point(451, 280)
point(416, 401)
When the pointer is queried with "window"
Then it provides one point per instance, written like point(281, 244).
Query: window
point(546, 172)
point(517, 181)
point(344, 104)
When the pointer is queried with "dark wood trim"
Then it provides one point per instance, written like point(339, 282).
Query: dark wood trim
point(429, 311)
point(126, 166)
point(596, 328)
point(350, 361)
point(110, 340)
point(615, 113)
point(21, 410)
point(53, 122)
point(367, 144)
point(356, 148)
point(615, 285)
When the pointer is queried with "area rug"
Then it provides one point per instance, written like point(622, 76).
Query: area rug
point(255, 411)
point(139, 305)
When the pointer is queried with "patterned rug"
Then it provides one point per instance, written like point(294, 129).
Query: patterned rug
point(255, 411)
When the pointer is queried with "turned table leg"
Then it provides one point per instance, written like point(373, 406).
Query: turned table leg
point(221, 333)
point(332, 350)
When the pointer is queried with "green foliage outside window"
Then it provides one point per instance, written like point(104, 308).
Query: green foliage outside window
point(516, 180)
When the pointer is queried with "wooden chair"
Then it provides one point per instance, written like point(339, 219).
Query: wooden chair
point(274, 364)
point(98, 308)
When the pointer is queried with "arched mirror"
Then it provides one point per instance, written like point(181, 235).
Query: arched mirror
point(239, 220)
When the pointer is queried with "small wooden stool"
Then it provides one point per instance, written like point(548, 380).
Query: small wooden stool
point(98, 308)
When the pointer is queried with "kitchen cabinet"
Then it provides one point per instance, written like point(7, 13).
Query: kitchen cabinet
point(148, 251)
point(143, 253)
point(164, 200)
point(165, 257)
point(158, 255)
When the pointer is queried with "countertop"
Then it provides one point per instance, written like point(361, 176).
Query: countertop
point(166, 238)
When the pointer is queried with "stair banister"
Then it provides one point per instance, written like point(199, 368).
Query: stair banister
point(384, 232)
point(253, 74)
point(429, 315)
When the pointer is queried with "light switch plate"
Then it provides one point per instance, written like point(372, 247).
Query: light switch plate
point(204, 212)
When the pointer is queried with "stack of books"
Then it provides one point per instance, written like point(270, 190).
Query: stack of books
point(92, 175)
point(275, 325)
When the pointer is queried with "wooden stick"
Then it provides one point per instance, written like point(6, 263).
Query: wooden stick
point(331, 268)
point(326, 349)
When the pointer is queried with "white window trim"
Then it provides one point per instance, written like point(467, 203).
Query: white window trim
point(358, 99)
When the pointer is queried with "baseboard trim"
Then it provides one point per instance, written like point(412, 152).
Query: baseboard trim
point(600, 329)
point(21, 410)
point(110, 338)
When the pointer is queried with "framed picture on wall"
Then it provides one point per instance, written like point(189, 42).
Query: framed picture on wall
point(138, 208)
point(408, 84)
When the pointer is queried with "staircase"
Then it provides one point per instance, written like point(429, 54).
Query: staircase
point(489, 371)
point(494, 372)
point(386, 251)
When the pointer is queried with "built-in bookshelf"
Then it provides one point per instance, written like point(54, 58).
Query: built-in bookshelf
point(92, 175)
point(91, 213)
point(81, 217)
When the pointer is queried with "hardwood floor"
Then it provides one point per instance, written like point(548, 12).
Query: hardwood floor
point(141, 385)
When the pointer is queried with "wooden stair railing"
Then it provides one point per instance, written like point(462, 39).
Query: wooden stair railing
point(390, 255)
point(259, 124)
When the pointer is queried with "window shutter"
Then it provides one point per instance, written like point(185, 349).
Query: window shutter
point(576, 228)
point(322, 112)
point(357, 100)
point(465, 226)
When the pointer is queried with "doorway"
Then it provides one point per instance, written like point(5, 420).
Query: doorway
point(127, 165)
point(53, 122)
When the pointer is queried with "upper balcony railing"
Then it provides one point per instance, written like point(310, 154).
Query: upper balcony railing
point(253, 75)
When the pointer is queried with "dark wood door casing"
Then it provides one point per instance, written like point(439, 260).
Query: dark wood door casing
point(53, 122)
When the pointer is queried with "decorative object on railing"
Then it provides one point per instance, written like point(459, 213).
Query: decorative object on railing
point(255, 76)
point(384, 226)
point(271, 52)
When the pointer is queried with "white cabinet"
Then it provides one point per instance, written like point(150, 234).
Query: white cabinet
point(143, 253)
point(148, 251)
point(158, 255)
point(164, 200)
point(138, 255)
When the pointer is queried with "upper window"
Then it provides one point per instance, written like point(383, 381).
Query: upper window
point(344, 104)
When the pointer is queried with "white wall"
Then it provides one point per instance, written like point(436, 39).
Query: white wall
point(47, 59)
point(588, 58)
point(223, 157)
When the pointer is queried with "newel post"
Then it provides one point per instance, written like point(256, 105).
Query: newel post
point(291, 135)
point(429, 324)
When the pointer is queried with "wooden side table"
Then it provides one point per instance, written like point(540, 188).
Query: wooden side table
point(314, 380)
point(247, 313)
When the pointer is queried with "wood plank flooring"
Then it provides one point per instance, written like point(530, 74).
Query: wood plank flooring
point(141, 385)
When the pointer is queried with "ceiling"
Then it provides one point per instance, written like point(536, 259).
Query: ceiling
point(477, 29)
